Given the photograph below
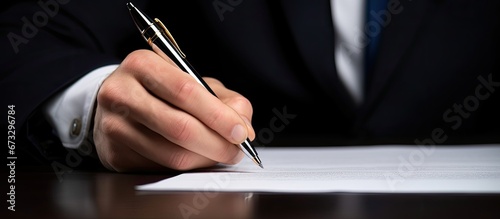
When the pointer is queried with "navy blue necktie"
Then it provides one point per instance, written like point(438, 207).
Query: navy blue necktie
point(375, 20)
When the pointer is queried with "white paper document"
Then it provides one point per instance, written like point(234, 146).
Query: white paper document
point(366, 169)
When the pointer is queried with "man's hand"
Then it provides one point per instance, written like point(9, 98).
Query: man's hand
point(151, 115)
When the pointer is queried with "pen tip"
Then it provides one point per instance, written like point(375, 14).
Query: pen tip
point(257, 161)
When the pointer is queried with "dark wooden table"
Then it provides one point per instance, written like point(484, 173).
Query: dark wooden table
point(41, 194)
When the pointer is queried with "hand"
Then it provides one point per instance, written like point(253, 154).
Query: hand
point(150, 115)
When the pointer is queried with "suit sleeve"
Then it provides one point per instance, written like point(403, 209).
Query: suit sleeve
point(47, 46)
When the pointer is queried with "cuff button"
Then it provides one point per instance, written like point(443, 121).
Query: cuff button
point(76, 127)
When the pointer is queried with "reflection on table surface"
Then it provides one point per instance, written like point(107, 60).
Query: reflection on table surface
point(41, 194)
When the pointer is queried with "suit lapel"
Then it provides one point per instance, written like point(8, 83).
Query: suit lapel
point(311, 27)
point(395, 43)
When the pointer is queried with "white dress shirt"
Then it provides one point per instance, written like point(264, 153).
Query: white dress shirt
point(348, 23)
point(71, 111)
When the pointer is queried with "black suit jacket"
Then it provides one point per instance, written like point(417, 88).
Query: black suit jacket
point(435, 79)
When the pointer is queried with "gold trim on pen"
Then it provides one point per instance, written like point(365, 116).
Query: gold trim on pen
point(169, 35)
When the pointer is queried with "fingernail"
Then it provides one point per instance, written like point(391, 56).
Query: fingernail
point(239, 133)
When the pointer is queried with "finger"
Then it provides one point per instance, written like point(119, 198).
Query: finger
point(171, 123)
point(133, 140)
point(180, 89)
point(121, 158)
point(236, 101)
point(243, 107)
point(168, 154)
point(183, 129)
point(114, 154)
point(213, 82)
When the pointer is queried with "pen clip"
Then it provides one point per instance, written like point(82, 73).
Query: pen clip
point(169, 35)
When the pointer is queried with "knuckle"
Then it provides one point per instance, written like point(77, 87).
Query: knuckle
point(184, 90)
point(136, 60)
point(215, 117)
point(181, 132)
point(111, 127)
point(116, 99)
point(240, 103)
point(180, 161)
point(109, 93)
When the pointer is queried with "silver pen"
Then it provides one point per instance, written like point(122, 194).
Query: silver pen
point(162, 42)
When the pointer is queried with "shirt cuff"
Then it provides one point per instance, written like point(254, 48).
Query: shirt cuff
point(70, 112)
